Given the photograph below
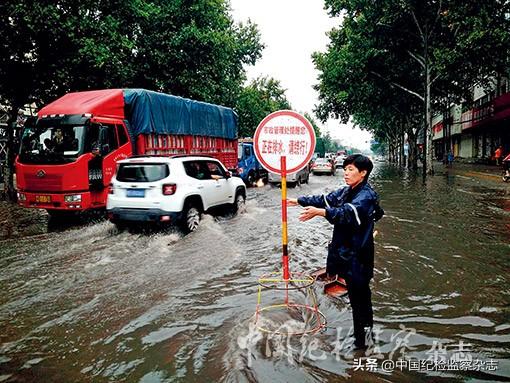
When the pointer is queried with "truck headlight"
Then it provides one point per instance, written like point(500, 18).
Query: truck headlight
point(72, 198)
point(22, 197)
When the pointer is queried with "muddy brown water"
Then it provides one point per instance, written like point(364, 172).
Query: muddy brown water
point(86, 303)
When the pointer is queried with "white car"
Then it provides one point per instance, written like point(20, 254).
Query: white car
point(339, 161)
point(294, 179)
point(171, 189)
point(323, 166)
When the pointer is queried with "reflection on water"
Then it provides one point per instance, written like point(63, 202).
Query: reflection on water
point(92, 303)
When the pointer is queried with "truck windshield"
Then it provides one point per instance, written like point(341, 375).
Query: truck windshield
point(142, 172)
point(243, 151)
point(52, 144)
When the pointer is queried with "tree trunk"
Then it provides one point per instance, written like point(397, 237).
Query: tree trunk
point(399, 152)
point(395, 151)
point(402, 153)
point(412, 162)
point(428, 167)
point(9, 190)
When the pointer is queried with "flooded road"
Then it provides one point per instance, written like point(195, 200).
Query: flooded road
point(91, 304)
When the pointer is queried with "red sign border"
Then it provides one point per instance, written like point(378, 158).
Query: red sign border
point(307, 125)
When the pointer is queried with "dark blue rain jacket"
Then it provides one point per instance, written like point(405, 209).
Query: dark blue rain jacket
point(353, 213)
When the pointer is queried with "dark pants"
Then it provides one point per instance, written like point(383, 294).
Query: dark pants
point(360, 298)
point(357, 277)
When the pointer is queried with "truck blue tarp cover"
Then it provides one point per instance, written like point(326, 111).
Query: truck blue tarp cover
point(151, 112)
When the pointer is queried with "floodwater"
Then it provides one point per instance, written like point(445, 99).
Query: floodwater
point(86, 303)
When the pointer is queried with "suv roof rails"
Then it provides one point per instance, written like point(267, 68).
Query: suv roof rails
point(147, 155)
point(191, 155)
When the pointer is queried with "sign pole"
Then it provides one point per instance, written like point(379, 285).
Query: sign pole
point(285, 257)
point(284, 143)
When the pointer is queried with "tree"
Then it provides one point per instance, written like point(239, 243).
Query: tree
point(259, 98)
point(422, 49)
point(348, 86)
point(187, 48)
point(50, 49)
point(193, 49)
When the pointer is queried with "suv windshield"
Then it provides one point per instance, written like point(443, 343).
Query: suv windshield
point(52, 144)
point(142, 172)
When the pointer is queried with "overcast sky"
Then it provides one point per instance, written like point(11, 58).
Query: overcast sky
point(292, 30)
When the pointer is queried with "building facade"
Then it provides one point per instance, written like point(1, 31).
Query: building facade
point(476, 131)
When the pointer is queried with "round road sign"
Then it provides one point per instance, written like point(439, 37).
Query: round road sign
point(284, 133)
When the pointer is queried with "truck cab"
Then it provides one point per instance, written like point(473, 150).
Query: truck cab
point(248, 167)
point(66, 162)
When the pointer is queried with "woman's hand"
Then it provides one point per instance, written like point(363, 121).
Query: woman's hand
point(309, 212)
point(292, 202)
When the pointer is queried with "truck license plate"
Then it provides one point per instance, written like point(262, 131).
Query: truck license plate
point(43, 198)
point(137, 193)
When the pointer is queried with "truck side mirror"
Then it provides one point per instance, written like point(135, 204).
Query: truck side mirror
point(103, 140)
point(228, 174)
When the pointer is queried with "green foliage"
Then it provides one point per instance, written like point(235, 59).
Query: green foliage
point(50, 48)
point(258, 99)
point(384, 55)
point(184, 47)
point(193, 49)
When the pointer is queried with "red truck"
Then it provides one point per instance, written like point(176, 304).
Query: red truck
point(67, 158)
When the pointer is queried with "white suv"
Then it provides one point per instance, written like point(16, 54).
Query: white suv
point(171, 189)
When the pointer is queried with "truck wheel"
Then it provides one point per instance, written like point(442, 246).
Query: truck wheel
point(190, 218)
point(121, 226)
point(61, 214)
point(239, 205)
point(251, 178)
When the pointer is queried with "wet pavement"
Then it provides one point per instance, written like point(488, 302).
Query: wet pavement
point(86, 303)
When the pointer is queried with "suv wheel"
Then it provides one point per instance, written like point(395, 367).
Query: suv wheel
point(239, 203)
point(190, 218)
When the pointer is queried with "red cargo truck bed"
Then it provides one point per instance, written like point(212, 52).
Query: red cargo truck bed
point(223, 149)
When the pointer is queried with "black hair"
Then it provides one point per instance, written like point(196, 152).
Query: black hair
point(361, 162)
